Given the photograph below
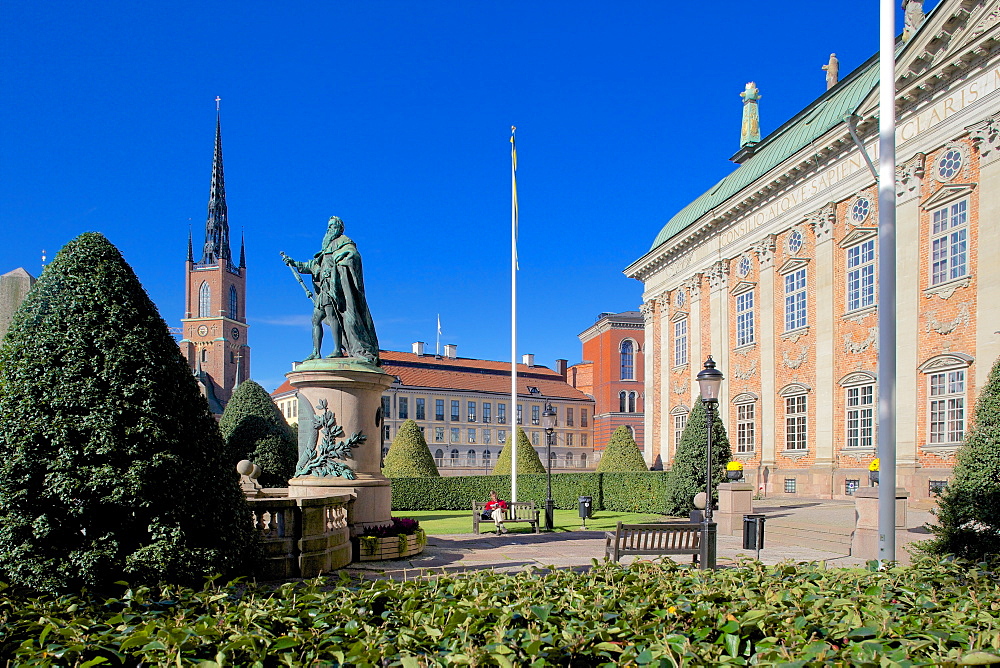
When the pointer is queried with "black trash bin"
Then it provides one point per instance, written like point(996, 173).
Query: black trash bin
point(586, 507)
point(753, 532)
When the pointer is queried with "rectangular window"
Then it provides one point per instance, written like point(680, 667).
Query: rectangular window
point(404, 408)
point(569, 417)
point(851, 485)
point(795, 423)
point(439, 435)
point(947, 407)
point(744, 319)
point(487, 411)
point(386, 435)
point(386, 407)
point(454, 434)
point(569, 441)
point(949, 243)
point(583, 417)
point(534, 415)
point(583, 440)
point(681, 342)
point(935, 487)
point(520, 411)
point(501, 435)
point(454, 410)
point(487, 436)
point(789, 485)
point(421, 411)
point(501, 413)
point(472, 411)
point(746, 436)
point(534, 438)
point(680, 421)
point(795, 300)
point(861, 275)
point(472, 437)
point(861, 416)
point(439, 409)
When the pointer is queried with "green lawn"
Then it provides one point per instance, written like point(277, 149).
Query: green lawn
point(443, 522)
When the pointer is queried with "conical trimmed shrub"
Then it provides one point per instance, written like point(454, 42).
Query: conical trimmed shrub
point(409, 456)
point(111, 465)
point(968, 512)
point(528, 460)
point(254, 429)
point(622, 454)
point(687, 475)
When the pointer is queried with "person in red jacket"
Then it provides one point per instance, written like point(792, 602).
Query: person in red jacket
point(494, 510)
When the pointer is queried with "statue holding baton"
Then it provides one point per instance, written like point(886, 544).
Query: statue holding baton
point(338, 296)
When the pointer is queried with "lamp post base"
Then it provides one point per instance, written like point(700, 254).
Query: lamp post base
point(709, 546)
point(549, 513)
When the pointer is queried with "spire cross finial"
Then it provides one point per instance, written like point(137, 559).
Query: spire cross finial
point(217, 100)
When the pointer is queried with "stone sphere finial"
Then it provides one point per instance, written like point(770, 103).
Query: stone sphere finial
point(255, 473)
point(699, 500)
point(245, 467)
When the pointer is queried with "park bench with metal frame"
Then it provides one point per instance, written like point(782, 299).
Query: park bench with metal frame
point(654, 539)
point(518, 511)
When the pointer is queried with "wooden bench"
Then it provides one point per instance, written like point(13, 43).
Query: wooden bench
point(653, 539)
point(519, 511)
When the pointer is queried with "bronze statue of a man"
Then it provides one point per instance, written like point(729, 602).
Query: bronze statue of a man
point(339, 297)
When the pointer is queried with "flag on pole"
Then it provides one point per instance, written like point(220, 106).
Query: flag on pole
point(513, 191)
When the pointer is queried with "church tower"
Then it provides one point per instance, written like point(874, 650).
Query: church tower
point(214, 323)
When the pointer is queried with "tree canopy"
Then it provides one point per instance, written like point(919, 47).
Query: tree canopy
point(690, 465)
point(254, 429)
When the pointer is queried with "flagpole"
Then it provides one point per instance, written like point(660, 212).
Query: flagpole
point(887, 283)
point(512, 439)
point(437, 347)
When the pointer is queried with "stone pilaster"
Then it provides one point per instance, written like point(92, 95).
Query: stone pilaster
point(718, 281)
point(768, 390)
point(652, 348)
point(696, 352)
point(986, 137)
point(822, 222)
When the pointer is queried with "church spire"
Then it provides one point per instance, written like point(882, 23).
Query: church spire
point(243, 251)
point(190, 247)
point(217, 225)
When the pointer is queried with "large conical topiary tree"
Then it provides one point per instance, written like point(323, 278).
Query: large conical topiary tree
point(409, 456)
point(528, 460)
point(254, 429)
point(111, 466)
point(687, 475)
point(622, 453)
point(968, 512)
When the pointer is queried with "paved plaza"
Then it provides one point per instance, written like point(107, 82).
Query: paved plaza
point(794, 531)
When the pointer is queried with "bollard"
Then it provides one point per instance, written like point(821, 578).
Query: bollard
point(753, 532)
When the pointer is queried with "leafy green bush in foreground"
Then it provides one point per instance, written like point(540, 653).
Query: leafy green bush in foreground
point(940, 614)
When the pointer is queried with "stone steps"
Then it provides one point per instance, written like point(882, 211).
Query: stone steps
point(834, 539)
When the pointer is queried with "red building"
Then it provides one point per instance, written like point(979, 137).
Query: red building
point(612, 373)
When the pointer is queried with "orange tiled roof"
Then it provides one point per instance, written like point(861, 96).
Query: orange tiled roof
point(283, 389)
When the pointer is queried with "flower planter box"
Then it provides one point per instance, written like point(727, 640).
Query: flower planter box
point(388, 548)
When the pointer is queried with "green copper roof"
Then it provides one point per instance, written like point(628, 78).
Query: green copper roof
point(807, 126)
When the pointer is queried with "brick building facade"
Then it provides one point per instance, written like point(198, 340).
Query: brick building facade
point(613, 373)
point(773, 272)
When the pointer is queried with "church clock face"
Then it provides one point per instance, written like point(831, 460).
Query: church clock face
point(203, 331)
point(236, 333)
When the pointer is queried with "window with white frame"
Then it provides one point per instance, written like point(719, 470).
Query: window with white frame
point(861, 275)
point(501, 436)
point(680, 421)
point(681, 342)
point(631, 402)
point(534, 438)
point(947, 406)
point(439, 434)
point(744, 319)
point(204, 300)
point(795, 422)
point(487, 435)
point(472, 436)
point(454, 435)
point(795, 299)
point(860, 416)
point(949, 242)
point(569, 439)
point(628, 360)
point(746, 427)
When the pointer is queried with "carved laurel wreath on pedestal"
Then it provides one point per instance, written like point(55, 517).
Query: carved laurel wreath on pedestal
point(322, 460)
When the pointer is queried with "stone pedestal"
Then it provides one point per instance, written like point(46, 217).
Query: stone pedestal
point(864, 544)
point(351, 390)
point(735, 501)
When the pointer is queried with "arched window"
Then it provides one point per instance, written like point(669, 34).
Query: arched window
point(439, 455)
point(583, 460)
point(472, 457)
point(622, 405)
point(204, 355)
point(454, 457)
point(569, 460)
point(204, 301)
point(234, 303)
point(628, 365)
point(487, 456)
point(631, 402)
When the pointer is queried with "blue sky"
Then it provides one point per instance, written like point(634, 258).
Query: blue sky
point(395, 116)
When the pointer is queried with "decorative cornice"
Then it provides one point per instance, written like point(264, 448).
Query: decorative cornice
point(765, 251)
point(718, 275)
point(908, 178)
point(946, 290)
point(946, 194)
point(792, 264)
point(693, 286)
point(986, 138)
point(822, 221)
point(857, 378)
point(648, 309)
point(946, 362)
point(857, 235)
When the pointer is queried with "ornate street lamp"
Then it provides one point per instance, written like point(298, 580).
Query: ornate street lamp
point(549, 424)
point(710, 382)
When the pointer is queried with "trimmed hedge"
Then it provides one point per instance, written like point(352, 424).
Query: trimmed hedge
point(640, 492)
point(254, 428)
point(527, 457)
point(622, 454)
point(409, 455)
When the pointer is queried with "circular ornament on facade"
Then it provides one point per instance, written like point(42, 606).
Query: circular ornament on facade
point(950, 162)
point(236, 333)
point(860, 209)
point(795, 242)
point(203, 331)
point(743, 268)
point(681, 298)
